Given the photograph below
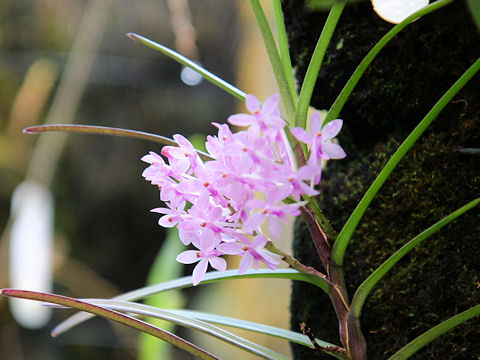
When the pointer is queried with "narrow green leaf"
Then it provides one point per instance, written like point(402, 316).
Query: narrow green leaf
point(427, 337)
point(316, 63)
point(190, 322)
point(274, 57)
point(187, 282)
point(346, 233)
point(289, 335)
point(222, 84)
point(315, 5)
point(474, 6)
point(111, 315)
point(365, 287)
point(342, 98)
point(284, 50)
point(104, 130)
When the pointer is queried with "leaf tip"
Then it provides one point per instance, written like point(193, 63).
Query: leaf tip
point(133, 36)
point(7, 292)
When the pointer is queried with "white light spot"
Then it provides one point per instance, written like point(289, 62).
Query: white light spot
point(395, 11)
point(31, 251)
point(190, 77)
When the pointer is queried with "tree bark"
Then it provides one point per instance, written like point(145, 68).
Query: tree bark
point(440, 278)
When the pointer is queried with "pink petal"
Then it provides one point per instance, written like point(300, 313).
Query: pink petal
point(315, 123)
point(189, 226)
point(241, 119)
point(183, 142)
point(276, 122)
point(161, 210)
point(231, 248)
point(199, 271)
point(275, 226)
point(268, 260)
point(301, 135)
point(306, 172)
point(167, 221)
point(208, 241)
point(218, 263)
point(245, 263)
point(255, 204)
point(152, 158)
point(259, 241)
point(333, 151)
point(187, 236)
point(252, 103)
point(270, 105)
point(180, 167)
point(188, 257)
point(278, 194)
point(177, 152)
point(203, 202)
point(330, 130)
point(253, 222)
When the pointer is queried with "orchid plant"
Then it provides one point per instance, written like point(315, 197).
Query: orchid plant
point(233, 199)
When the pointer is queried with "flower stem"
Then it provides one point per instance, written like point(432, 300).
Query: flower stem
point(297, 265)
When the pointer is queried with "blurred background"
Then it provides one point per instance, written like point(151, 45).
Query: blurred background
point(69, 61)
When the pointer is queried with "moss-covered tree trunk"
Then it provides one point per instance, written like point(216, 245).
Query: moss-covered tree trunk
point(441, 277)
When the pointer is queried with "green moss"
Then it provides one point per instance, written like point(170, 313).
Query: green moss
point(439, 278)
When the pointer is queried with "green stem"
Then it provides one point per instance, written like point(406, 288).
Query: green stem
point(346, 233)
point(427, 337)
point(366, 286)
point(322, 219)
point(342, 98)
point(316, 63)
point(222, 84)
point(288, 101)
point(318, 235)
point(323, 282)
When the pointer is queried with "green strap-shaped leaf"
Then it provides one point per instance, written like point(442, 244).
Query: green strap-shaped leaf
point(105, 130)
point(190, 322)
point(316, 63)
point(289, 335)
point(325, 4)
point(474, 6)
point(187, 282)
point(365, 287)
point(111, 315)
point(284, 50)
point(283, 85)
point(427, 337)
point(222, 84)
point(346, 233)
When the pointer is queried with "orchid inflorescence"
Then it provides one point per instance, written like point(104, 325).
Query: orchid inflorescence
point(212, 202)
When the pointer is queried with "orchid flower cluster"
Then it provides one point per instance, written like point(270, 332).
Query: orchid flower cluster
point(217, 204)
